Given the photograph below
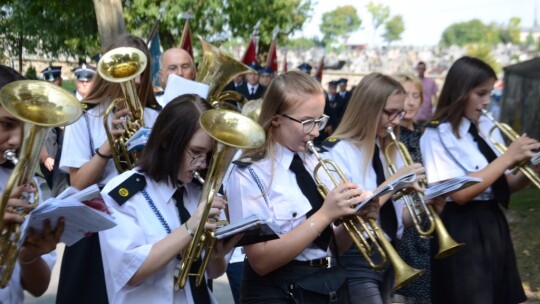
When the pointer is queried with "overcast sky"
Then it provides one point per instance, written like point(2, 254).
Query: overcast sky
point(425, 20)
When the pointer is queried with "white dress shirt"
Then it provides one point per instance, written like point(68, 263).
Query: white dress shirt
point(76, 149)
point(446, 156)
point(287, 206)
point(349, 158)
point(125, 247)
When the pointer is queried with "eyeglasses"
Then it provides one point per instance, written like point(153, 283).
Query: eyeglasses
point(196, 160)
point(173, 69)
point(392, 115)
point(309, 124)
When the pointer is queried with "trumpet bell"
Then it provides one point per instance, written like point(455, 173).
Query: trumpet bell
point(122, 64)
point(40, 103)
point(230, 128)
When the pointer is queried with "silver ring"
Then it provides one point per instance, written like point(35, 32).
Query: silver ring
point(18, 210)
point(119, 126)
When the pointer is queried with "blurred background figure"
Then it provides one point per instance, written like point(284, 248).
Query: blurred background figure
point(429, 93)
point(84, 74)
point(53, 74)
point(266, 76)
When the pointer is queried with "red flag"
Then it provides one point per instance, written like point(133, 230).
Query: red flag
point(272, 56)
point(318, 74)
point(250, 56)
point(185, 40)
point(284, 67)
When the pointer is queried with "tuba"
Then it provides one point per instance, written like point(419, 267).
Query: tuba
point(361, 232)
point(40, 106)
point(232, 131)
point(447, 245)
point(507, 131)
point(122, 65)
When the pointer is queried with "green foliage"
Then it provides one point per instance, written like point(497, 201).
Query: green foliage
point(340, 22)
point(379, 13)
point(217, 20)
point(302, 43)
point(483, 51)
point(394, 28)
point(474, 31)
point(31, 73)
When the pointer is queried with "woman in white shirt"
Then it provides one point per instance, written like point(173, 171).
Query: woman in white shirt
point(266, 182)
point(454, 144)
point(358, 149)
point(36, 257)
point(86, 156)
point(156, 210)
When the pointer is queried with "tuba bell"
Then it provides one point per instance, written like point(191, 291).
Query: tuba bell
point(418, 207)
point(40, 106)
point(122, 65)
point(509, 133)
point(361, 232)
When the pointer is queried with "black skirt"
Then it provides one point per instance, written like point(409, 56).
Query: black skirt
point(485, 270)
point(81, 276)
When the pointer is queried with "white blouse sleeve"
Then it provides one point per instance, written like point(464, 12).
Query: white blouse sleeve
point(439, 164)
point(76, 147)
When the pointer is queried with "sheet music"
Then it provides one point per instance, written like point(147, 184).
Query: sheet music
point(535, 160)
point(255, 229)
point(80, 219)
point(402, 182)
point(450, 186)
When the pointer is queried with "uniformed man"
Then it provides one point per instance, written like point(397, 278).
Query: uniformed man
point(53, 74)
point(251, 88)
point(305, 67)
point(174, 61)
point(267, 75)
point(84, 74)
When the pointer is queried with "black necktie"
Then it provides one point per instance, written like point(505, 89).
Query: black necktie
point(388, 216)
point(500, 188)
point(309, 189)
point(200, 293)
point(252, 91)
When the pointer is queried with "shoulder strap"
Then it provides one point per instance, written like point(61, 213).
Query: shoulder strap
point(128, 188)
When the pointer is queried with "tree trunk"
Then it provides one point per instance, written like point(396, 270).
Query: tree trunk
point(20, 51)
point(110, 20)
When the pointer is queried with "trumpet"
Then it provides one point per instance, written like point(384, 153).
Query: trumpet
point(357, 228)
point(418, 207)
point(40, 106)
point(507, 131)
point(122, 65)
point(232, 131)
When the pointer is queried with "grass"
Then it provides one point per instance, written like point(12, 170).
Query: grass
point(524, 219)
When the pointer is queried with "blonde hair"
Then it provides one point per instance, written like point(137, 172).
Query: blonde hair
point(366, 105)
point(279, 97)
point(402, 78)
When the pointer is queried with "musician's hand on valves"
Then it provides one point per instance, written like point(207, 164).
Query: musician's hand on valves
point(118, 123)
point(17, 207)
point(218, 204)
point(38, 244)
point(521, 149)
point(415, 168)
point(341, 201)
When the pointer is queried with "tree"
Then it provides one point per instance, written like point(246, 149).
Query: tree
point(511, 33)
point(394, 28)
point(47, 27)
point(483, 51)
point(340, 22)
point(473, 31)
point(110, 20)
point(379, 14)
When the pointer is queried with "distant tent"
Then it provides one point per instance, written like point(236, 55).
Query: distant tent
point(521, 97)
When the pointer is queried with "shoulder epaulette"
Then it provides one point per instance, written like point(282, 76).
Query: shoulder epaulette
point(128, 188)
point(156, 107)
point(243, 162)
point(330, 142)
point(87, 106)
point(160, 93)
point(433, 124)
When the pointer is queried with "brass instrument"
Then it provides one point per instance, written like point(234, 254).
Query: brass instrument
point(122, 65)
point(447, 245)
point(218, 65)
point(404, 274)
point(40, 106)
point(232, 131)
point(507, 131)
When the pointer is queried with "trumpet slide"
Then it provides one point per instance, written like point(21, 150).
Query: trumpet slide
point(414, 201)
point(361, 232)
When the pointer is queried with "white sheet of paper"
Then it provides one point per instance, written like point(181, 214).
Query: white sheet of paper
point(177, 86)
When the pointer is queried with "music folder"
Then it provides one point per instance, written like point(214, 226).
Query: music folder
point(535, 160)
point(450, 186)
point(399, 183)
point(255, 228)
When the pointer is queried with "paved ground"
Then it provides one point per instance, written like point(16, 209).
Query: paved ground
point(221, 287)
